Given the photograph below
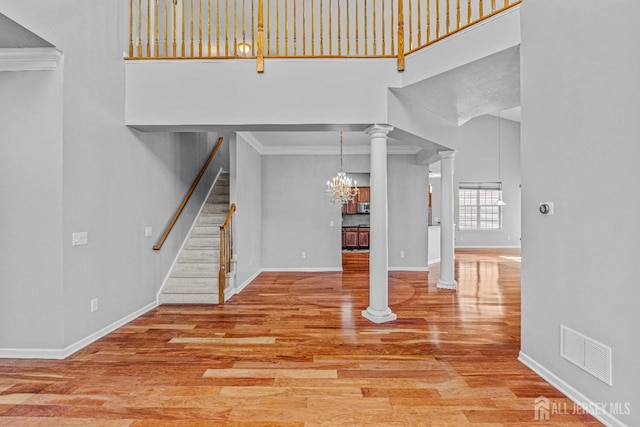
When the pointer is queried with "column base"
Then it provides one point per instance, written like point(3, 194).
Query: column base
point(447, 284)
point(378, 316)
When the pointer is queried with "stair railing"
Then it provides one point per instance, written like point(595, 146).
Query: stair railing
point(226, 252)
point(258, 29)
point(173, 221)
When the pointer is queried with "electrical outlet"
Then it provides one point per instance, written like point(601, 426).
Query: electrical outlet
point(78, 239)
point(94, 305)
point(330, 223)
point(303, 255)
point(401, 254)
point(148, 231)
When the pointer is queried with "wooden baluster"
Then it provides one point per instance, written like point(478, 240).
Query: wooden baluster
point(469, 12)
point(277, 27)
point(493, 5)
point(480, 10)
point(182, 44)
point(339, 30)
point(253, 26)
point(157, 44)
point(400, 36)
point(209, 28)
point(437, 19)
point(260, 39)
point(330, 28)
point(222, 276)
point(348, 31)
point(304, 29)
point(457, 14)
point(384, 33)
point(419, 26)
point(166, 29)
point(268, 42)
point(130, 28)
point(139, 28)
point(366, 32)
point(235, 27)
point(244, 34)
point(286, 27)
point(313, 29)
point(321, 30)
point(410, 25)
point(175, 25)
point(295, 26)
point(191, 27)
point(148, 28)
point(374, 28)
point(200, 29)
point(428, 21)
point(448, 9)
point(393, 44)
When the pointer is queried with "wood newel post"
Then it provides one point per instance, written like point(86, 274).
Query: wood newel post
point(260, 38)
point(222, 274)
point(400, 36)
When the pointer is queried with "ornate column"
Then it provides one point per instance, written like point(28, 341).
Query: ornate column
point(447, 256)
point(378, 310)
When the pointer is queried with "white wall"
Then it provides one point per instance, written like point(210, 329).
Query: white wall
point(31, 199)
point(580, 133)
point(297, 213)
point(476, 160)
point(408, 197)
point(246, 193)
point(97, 176)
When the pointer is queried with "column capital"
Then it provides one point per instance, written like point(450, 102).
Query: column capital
point(378, 131)
point(446, 154)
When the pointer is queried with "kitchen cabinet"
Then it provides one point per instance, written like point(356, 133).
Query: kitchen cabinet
point(364, 195)
point(351, 237)
point(351, 207)
point(363, 238)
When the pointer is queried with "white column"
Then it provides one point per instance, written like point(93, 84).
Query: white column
point(378, 310)
point(447, 256)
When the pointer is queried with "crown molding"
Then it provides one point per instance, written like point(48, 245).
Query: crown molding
point(290, 150)
point(30, 59)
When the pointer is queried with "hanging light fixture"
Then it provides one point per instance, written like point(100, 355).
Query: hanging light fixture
point(341, 189)
point(499, 202)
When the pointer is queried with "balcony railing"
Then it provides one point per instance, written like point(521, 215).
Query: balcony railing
point(185, 29)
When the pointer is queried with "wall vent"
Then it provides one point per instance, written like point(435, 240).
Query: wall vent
point(586, 353)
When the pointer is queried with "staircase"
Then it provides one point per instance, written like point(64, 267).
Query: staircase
point(194, 278)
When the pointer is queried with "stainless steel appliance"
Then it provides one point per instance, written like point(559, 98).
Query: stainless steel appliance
point(363, 207)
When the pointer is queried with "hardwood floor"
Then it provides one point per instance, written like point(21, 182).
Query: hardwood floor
point(294, 350)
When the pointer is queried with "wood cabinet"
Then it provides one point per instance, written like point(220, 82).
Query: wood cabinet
point(363, 238)
point(351, 208)
point(350, 237)
point(364, 195)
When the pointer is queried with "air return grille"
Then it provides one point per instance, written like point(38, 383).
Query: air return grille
point(586, 353)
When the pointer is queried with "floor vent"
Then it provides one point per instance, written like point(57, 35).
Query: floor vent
point(586, 353)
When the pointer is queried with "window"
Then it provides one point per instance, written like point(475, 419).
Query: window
point(477, 209)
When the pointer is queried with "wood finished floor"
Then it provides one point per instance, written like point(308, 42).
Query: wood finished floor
point(294, 350)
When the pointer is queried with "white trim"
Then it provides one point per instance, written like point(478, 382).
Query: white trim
point(290, 150)
point(573, 394)
point(408, 268)
point(49, 353)
point(184, 242)
point(488, 247)
point(303, 269)
point(434, 261)
point(30, 59)
point(248, 281)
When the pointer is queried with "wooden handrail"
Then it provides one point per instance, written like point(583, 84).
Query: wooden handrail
point(226, 252)
point(167, 230)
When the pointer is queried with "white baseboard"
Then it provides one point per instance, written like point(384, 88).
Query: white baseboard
point(573, 394)
point(303, 269)
point(408, 269)
point(487, 247)
point(249, 280)
point(47, 353)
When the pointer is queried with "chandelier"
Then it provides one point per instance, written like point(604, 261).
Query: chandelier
point(341, 189)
